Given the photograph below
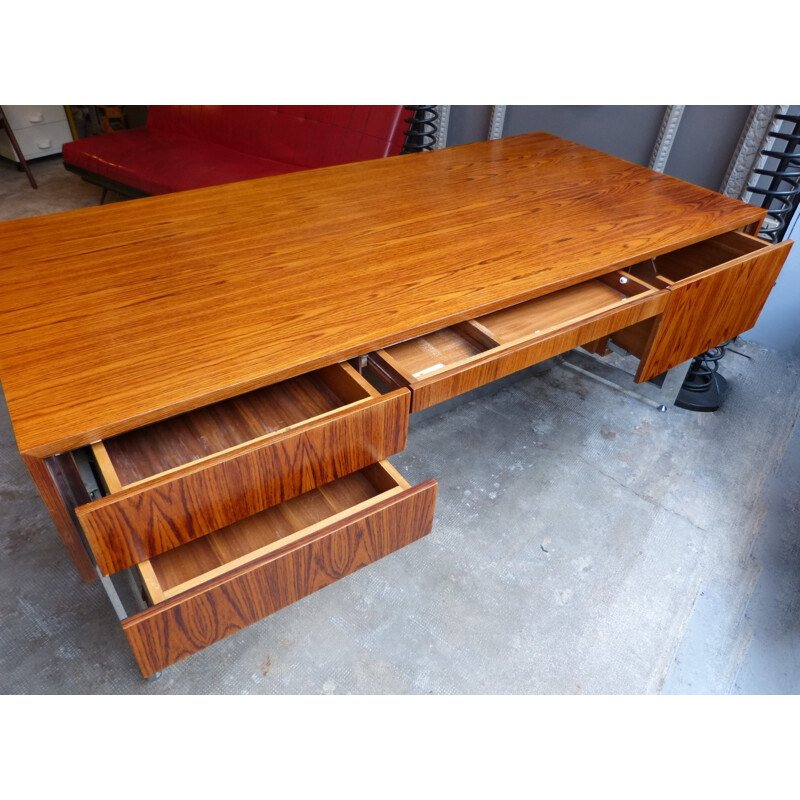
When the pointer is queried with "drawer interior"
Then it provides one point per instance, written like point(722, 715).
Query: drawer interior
point(426, 355)
point(142, 453)
point(689, 261)
point(198, 561)
point(552, 311)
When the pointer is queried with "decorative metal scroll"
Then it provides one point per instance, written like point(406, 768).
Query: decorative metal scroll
point(666, 137)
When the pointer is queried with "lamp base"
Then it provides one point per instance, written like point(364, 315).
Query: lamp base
point(702, 392)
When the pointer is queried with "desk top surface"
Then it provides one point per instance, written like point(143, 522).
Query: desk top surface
point(118, 315)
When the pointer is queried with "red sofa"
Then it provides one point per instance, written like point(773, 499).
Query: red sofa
point(187, 147)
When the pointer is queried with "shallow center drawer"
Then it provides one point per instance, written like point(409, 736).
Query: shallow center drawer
point(210, 588)
point(462, 357)
point(179, 479)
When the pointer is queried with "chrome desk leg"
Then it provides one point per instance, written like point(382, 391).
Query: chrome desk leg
point(113, 596)
point(117, 604)
point(612, 372)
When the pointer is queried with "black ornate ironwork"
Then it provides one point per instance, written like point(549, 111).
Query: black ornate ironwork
point(423, 132)
point(782, 193)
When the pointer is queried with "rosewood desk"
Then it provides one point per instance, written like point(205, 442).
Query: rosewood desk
point(219, 449)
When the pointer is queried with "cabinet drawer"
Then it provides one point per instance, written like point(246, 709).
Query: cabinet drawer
point(462, 357)
point(41, 140)
point(716, 290)
point(217, 585)
point(180, 479)
point(20, 117)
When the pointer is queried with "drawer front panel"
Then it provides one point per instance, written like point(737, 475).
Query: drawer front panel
point(175, 629)
point(20, 117)
point(142, 521)
point(43, 140)
point(502, 361)
point(704, 311)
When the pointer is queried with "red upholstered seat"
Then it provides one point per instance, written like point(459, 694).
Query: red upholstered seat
point(187, 147)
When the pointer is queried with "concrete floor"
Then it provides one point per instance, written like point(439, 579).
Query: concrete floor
point(584, 542)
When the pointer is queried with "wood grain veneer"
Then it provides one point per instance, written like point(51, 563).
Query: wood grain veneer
point(53, 490)
point(707, 309)
point(182, 625)
point(117, 316)
point(148, 518)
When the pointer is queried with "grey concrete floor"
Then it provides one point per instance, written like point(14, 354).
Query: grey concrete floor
point(584, 542)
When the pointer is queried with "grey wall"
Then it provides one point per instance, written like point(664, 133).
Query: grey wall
point(703, 148)
point(624, 131)
point(468, 124)
point(706, 139)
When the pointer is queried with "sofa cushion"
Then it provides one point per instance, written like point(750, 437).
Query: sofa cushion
point(157, 163)
point(188, 147)
point(308, 136)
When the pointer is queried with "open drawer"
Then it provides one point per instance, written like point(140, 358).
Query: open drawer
point(716, 290)
point(454, 360)
point(180, 479)
point(212, 587)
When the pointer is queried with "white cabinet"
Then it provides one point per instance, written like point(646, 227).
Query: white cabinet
point(39, 130)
